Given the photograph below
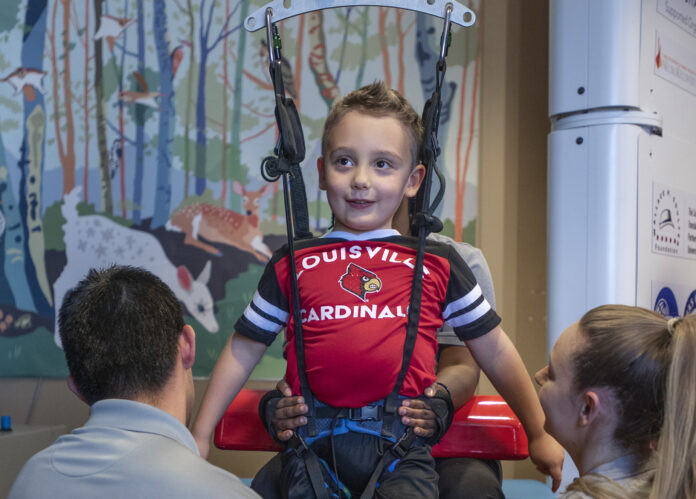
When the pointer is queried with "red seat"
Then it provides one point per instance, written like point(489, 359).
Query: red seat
point(485, 428)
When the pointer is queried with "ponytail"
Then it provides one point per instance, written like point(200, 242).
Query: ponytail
point(675, 477)
point(598, 486)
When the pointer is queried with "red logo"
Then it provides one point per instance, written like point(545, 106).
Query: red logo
point(359, 282)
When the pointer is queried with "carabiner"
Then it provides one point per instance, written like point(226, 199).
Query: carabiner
point(446, 35)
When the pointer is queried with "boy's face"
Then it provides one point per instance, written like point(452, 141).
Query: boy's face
point(367, 171)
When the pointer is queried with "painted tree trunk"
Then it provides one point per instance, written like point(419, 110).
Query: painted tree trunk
point(189, 89)
point(163, 192)
point(12, 247)
point(105, 179)
point(223, 151)
point(66, 145)
point(68, 162)
point(31, 161)
point(463, 166)
point(317, 59)
point(201, 139)
point(363, 49)
point(236, 125)
point(85, 105)
point(139, 123)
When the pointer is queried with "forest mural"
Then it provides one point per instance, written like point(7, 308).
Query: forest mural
point(132, 132)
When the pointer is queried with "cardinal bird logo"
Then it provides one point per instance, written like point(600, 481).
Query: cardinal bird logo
point(359, 282)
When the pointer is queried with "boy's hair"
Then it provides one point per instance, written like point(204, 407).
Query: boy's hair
point(120, 329)
point(378, 100)
point(649, 365)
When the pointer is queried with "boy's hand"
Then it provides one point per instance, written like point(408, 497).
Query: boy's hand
point(418, 415)
point(547, 455)
point(289, 413)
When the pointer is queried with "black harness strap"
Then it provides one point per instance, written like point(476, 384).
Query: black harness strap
point(290, 151)
point(426, 223)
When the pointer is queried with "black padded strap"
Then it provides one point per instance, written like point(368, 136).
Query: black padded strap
point(396, 451)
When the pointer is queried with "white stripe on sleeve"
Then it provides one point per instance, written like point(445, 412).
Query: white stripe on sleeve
point(471, 316)
point(462, 302)
point(261, 322)
point(269, 309)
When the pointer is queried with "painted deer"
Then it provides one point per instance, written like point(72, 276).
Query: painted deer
point(220, 225)
point(96, 241)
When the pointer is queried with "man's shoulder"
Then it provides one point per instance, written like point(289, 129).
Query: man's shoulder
point(196, 477)
point(464, 249)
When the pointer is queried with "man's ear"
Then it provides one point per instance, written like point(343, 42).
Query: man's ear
point(322, 174)
point(415, 179)
point(591, 406)
point(73, 388)
point(187, 346)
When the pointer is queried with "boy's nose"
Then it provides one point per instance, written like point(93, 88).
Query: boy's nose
point(360, 178)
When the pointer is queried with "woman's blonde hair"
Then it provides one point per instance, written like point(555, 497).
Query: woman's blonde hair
point(648, 363)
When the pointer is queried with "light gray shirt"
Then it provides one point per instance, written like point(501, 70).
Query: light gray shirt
point(478, 265)
point(125, 450)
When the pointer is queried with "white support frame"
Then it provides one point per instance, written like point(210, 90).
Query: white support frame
point(461, 15)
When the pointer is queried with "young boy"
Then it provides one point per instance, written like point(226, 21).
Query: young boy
point(355, 286)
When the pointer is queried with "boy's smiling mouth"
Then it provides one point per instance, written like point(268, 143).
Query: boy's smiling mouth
point(359, 203)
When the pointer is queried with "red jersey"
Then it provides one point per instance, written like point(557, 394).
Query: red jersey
point(354, 297)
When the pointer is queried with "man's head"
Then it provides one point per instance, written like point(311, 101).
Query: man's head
point(370, 158)
point(120, 329)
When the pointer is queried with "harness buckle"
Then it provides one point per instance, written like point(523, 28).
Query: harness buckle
point(366, 413)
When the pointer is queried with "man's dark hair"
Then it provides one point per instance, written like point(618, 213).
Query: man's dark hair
point(120, 329)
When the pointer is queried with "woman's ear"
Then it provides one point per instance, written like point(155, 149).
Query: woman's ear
point(594, 404)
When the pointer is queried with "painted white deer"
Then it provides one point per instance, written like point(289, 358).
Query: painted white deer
point(96, 241)
point(220, 225)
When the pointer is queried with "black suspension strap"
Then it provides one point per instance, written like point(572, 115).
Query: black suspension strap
point(290, 152)
point(424, 220)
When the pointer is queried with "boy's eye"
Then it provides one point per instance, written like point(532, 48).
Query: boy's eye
point(344, 161)
point(382, 164)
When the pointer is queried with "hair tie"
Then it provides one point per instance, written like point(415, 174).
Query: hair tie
point(670, 325)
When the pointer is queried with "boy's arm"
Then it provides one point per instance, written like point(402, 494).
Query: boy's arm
point(233, 367)
point(501, 362)
point(457, 369)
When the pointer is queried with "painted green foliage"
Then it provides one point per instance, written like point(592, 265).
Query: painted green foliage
point(171, 112)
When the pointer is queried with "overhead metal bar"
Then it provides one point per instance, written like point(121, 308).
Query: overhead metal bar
point(284, 9)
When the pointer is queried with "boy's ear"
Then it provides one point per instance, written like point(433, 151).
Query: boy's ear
point(415, 179)
point(322, 174)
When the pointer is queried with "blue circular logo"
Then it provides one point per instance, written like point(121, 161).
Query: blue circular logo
point(690, 307)
point(666, 303)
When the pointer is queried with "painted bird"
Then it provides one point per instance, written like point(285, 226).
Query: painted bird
point(111, 27)
point(143, 97)
point(26, 79)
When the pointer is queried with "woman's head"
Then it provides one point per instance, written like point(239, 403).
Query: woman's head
point(636, 366)
point(616, 358)
point(628, 350)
